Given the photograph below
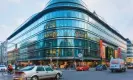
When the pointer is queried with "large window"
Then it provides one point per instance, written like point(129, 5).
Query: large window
point(66, 33)
point(62, 52)
point(66, 14)
point(71, 23)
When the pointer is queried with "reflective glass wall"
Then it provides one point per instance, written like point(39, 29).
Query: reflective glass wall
point(63, 33)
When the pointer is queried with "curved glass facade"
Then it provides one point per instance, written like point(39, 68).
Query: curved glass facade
point(63, 33)
point(129, 58)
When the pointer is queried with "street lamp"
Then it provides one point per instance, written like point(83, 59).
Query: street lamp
point(57, 63)
point(82, 56)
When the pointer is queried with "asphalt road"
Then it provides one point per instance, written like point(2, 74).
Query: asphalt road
point(5, 76)
point(98, 75)
point(89, 75)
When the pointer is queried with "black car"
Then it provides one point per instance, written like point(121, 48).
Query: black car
point(101, 67)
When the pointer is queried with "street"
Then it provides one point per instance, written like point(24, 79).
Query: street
point(89, 75)
point(98, 75)
point(5, 76)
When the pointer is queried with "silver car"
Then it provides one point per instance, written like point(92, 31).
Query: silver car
point(37, 73)
point(3, 68)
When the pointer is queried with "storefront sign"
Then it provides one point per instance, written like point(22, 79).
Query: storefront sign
point(101, 48)
point(119, 52)
point(80, 55)
point(116, 54)
point(104, 55)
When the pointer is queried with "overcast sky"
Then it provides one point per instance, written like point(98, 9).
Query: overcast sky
point(117, 13)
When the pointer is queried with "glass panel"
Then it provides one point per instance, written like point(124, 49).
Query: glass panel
point(40, 69)
point(65, 42)
point(49, 69)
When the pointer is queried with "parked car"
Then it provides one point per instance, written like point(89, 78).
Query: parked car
point(117, 65)
point(37, 73)
point(3, 68)
point(101, 67)
point(130, 66)
point(82, 68)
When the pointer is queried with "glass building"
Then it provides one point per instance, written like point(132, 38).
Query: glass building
point(129, 51)
point(64, 31)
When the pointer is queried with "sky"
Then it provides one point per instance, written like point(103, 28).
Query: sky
point(117, 13)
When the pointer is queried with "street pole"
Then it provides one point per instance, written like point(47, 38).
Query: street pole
point(16, 53)
point(57, 63)
point(82, 56)
point(51, 56)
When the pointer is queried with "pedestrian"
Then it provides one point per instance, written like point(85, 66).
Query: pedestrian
point(16, 66)
point(10, 69)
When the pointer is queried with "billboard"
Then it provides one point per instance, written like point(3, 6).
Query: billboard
point(116, 54)
point(102, 50)
point(119, 53)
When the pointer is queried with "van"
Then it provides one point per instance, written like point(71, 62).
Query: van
point(117, 65)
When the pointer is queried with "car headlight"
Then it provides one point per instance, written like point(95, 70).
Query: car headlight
point(81, 68)
point(60, 72)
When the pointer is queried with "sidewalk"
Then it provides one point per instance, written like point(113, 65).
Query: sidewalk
point(90, 69)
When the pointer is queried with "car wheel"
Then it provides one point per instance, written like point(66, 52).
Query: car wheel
point(58, 76)
point(124, 70)
point(112, 71)
point(34, 78)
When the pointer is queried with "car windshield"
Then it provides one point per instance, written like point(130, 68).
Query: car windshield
point(28, 68)
point(99, 65)
point(114, 62)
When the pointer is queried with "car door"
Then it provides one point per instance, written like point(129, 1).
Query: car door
point(50, 72)
point(41, 73)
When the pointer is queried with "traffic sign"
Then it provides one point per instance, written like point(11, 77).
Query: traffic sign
point(80, 55)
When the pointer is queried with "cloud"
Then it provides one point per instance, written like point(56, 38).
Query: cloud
point(117, 13)
point(2, 26)
point(42, 4)
point(19, 21)
point(7, 30)
point(14, 1)
point(4, 30)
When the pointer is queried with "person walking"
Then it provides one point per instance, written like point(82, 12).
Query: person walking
point(10, 69)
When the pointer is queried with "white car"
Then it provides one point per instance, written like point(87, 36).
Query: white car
point(37, 73)
point(3, 68)
point(117, 65)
